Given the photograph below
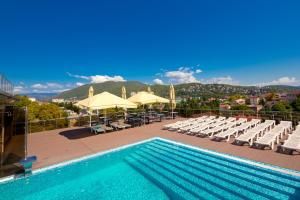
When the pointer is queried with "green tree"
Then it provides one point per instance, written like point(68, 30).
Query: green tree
point(296, 104)
point(235, 97)
point(69, 106)
point(39, 111)
point(215, 104)
point(271, 96)
point(22, 101)
point(240, 107)
point(282, 106)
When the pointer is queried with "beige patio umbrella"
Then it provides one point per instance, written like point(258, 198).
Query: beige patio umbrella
point(149, 90)
point(124, 92)
point(172, 98)
point(124, 97)
point(90, 95)
point(91, 92)
point(104, 101)
point(143, 98)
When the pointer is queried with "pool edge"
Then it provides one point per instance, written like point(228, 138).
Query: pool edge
point(239, 159)
point(224, 155)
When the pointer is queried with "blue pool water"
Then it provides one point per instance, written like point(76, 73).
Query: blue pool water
point(155, 170)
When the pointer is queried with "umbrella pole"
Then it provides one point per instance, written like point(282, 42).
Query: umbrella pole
point(144, 114)
point(91, 121)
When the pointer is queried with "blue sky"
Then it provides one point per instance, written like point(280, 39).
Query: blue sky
point(56, 45)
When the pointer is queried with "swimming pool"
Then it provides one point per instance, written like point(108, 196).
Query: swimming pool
point(156, 169)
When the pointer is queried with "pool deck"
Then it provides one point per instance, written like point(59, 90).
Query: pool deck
point(55, 146)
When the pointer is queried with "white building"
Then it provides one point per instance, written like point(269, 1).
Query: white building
point(58, 100)
point(32, 99)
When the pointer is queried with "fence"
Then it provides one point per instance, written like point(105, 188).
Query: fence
point(43, 125)
point(6, 86)
point(278, 116)
point(12, 138)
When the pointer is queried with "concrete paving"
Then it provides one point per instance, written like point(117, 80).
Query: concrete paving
point(55, 146)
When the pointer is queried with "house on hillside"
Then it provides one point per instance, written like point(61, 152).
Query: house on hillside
point(239, 102)
point(255, 108)
point(224, 106)
point(58, 100)
point(289, 96)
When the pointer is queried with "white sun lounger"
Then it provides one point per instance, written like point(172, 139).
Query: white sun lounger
point(167, 126)
point(178, 126)
point(297, 127)
point(215, 130)
point(255, 122)
point(181, 124)
point(225, 134)
point(241, 121)
point(210, 131)
point(270, 138)
point(221, 118)
point(198, 129)
point(208, 124)
point(290, 145)
point(270, 123)
point(195, 124)
point(243, 127)
point(215, 124)
point(287, 125)
point(192, 126)
point(230, 119)
point(252, 134)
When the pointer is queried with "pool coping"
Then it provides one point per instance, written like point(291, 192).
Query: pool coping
point(239, 159)
point(224, 155)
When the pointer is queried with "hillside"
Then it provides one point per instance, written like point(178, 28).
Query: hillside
point(41, 96)
point(182, 90)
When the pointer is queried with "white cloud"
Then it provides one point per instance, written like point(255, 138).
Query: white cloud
point(285, 80)
point(54, 85)
point(221, 80)
point(47, 86)
point(158, 81)
point(39, 86)
point(198, 71)
point(99, 78)
point(79, 84)
point(182, 75)
point(78, 76)
point(20, 89)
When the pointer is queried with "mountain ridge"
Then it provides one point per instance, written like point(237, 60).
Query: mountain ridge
point(182, 90)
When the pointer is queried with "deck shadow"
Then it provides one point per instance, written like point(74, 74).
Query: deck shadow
point(77, 133)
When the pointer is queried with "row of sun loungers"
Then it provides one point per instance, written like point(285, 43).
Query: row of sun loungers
point(292, 143)
point(273, 136)
point(101, 128)
point(227, 134)
point(253, 132)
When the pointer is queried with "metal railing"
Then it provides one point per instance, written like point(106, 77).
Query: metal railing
point(44, 125)
point(6, 87)
point(275, 115)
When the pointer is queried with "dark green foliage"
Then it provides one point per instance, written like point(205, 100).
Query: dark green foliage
point(182, 90)
point(37, 111)
point(240, 107)
point(282, 106)
point(69, 106)
point(296, 104)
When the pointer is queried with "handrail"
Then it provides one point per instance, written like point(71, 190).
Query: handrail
point(6, 87)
